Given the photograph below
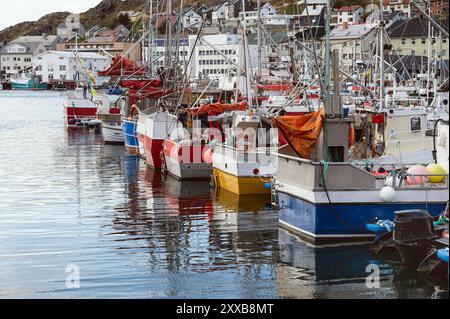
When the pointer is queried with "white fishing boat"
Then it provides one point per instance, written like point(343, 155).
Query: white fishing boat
point(112, 130)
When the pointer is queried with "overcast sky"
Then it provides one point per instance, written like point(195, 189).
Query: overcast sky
point(15, 11)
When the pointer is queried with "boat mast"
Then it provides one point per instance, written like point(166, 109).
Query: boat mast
point(327, 95)
point(169, 35)
point(150, 40)
point(259, 42)
point(381, 52)
point(246, 54)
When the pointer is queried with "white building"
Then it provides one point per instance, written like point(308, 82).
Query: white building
point(354, 42)
point(350, 14)
point(268, 13)
point(388, 17)
point(16, 57)
point(398, 5)
point(191, 18)
point(48, 41)
point(218, 57)
point(68, 29)
point(59, 65)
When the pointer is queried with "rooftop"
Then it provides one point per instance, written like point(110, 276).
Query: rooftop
point(351, 31)
point(416, 26)
point(349, 8)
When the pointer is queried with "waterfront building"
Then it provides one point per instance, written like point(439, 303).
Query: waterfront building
point(48, 41)
point(58, 65)
point(218, 57)
point(105, 42)
point(15, 57)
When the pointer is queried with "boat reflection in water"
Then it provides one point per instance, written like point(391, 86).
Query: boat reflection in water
point(322, 272)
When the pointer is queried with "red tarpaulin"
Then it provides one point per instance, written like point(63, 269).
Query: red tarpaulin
point(121, 66)
point(140, 84)
point(217, 108)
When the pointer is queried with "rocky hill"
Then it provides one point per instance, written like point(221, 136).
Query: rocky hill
point(104, 14)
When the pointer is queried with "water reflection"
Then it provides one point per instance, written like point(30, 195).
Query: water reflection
point(66, 198)
point(305, 271)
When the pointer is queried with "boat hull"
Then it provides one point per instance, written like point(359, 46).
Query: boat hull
point(28, 86)
point(112, 133)
point(153, 149)
point(340, 221)
point(130, 137)
point(76, 115)
point(241, 185)
point(185, 162)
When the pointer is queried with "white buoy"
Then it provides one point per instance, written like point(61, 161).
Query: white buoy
point(387, 194)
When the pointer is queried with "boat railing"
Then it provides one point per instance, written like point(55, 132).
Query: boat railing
point(263, 155)
point(312, 175)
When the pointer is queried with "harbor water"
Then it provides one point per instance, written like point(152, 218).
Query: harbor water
point(70, 205)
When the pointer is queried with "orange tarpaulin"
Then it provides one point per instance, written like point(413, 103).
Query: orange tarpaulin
point(217, 108)
point(301, 132)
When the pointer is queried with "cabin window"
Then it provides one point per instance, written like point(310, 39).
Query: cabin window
point(415, 124)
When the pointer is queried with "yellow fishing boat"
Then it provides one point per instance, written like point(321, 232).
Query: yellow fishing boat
point(243, 164)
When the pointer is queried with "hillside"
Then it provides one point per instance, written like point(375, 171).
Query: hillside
point(105, 13)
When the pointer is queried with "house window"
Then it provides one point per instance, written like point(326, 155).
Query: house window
point(424, 40)
point(413, 41)
point(403, 41)
point(62, 68)
point(415, 124)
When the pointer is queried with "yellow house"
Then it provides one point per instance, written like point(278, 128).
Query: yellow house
point(410, 37)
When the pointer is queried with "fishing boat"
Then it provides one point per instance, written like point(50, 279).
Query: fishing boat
point(153, 128)
point(240, 164)
point(79, 110)
point(187, 153)
point(28, 83)
point(321, 205)
point(111, 120)
point(130, 135)
point(112, 128)
point(184, 160)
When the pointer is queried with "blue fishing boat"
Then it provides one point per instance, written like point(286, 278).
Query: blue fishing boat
point(130, 135)
point(333, 201)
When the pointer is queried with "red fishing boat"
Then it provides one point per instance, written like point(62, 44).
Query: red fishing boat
point(78, 110)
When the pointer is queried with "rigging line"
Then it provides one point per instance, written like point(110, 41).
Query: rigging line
point(314, 52)
point(189, 62)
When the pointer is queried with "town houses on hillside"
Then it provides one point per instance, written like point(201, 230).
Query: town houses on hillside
point(353, 33)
